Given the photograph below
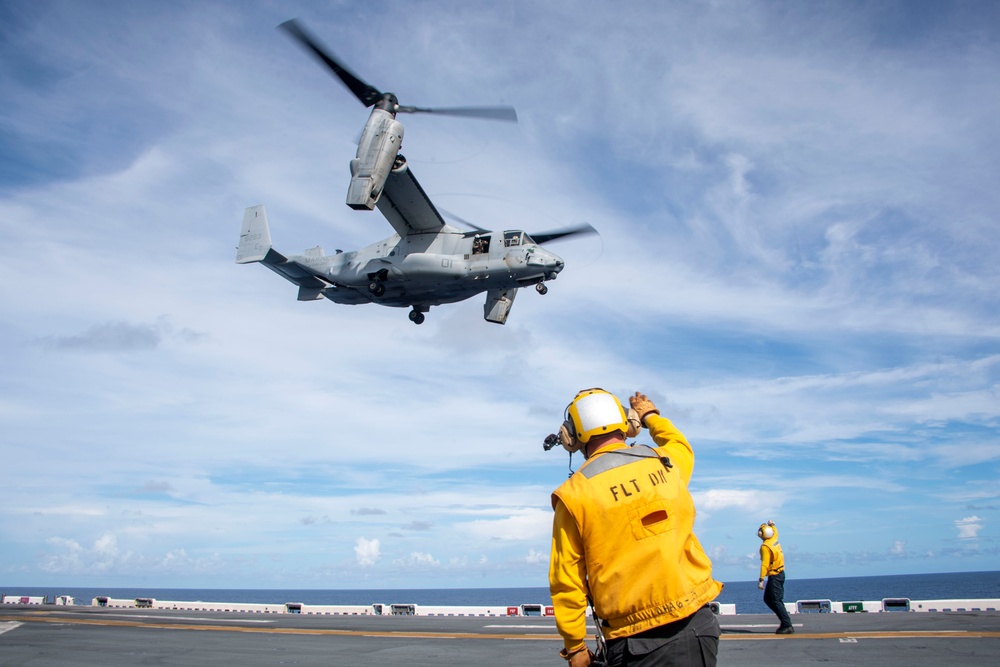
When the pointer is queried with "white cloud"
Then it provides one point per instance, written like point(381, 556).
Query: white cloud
point(716, 499)
point(535, 557)
point(418, 559)
point(70, 557)
point(367, 552)
point(969, 527)
point(526, 524)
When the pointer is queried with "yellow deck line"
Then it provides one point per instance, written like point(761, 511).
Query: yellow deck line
point(409, 634)
point(40, 617)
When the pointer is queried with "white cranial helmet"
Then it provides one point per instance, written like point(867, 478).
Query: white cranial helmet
point(766, 530)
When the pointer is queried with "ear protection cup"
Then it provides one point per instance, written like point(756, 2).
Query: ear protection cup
point(567, 437)
point(766, 530)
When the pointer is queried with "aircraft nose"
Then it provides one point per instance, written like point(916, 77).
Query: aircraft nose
point(546, 260)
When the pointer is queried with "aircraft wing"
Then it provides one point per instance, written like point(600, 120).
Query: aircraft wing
point(406, 206)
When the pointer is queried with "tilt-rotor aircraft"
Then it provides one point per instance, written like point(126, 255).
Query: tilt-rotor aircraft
point(426, 262)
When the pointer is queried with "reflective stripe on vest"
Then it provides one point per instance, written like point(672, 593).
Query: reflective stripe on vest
point(620, 457)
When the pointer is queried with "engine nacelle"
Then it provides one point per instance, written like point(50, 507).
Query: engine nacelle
point(498, 303)
point(377, 150)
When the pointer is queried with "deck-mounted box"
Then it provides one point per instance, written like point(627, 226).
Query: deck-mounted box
point(813, 606)
point(404, 609)
point(895, 604)
point(531, 610)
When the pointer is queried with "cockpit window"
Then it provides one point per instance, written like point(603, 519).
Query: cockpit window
point(513, 238)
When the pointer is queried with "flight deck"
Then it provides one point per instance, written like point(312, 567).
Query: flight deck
point(51, 634)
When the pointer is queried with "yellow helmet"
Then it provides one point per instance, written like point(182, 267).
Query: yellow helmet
point(595, 412)
point(766, 530)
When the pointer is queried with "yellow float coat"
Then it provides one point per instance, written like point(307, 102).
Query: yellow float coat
point(624, 524)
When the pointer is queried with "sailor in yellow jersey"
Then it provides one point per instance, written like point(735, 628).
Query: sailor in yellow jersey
point(772, 566)
point(623, 536)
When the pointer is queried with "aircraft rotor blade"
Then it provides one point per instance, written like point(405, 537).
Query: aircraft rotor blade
point(503, 112)
point(561, 233)
point(462, 221)
point(368, 94)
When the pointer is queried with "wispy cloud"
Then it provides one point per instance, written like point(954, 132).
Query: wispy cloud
point(797, 261)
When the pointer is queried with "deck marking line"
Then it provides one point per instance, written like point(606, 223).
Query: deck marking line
point(186, 618)
point(7, 626)
point(884, 634)
point(410, 634)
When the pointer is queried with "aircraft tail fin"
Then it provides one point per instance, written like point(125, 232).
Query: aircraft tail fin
point(255, 237)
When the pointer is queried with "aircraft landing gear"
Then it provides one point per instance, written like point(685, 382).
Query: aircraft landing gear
point(541, 288)
point(376, 282)
point(416, 316)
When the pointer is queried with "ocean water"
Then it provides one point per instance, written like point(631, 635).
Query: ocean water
point(744, 594)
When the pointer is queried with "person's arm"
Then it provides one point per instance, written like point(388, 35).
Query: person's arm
point(672, 442)
point(567, 580)
point(765, 562)
point(666, 436)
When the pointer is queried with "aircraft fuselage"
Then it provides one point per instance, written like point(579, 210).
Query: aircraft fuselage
point(435, 268)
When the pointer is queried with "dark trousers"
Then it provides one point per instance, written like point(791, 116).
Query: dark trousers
point(689, 642)
point(774, 598)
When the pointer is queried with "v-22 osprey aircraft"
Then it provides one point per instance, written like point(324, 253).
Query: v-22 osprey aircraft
point(426, 262)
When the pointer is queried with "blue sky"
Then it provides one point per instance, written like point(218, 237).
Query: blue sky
point(798, 262)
